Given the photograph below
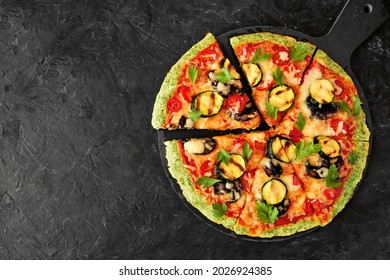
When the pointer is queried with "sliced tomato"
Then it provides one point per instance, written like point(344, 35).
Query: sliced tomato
point(281, 56)
point(332, 193)
point(296, 181)
point(185, 93)
point(236, 103)
point(205, 167)
point(345, 131)
point(261, 146)
point(307, 207)
point(295, 135)
point(174, 104)
point(283, 220)
point(318, 206)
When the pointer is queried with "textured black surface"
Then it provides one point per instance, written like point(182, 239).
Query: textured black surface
point(80, 172)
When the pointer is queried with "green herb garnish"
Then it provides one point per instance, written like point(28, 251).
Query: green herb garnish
point(356, 108)
point(223, 156)
point(298, 54)
point(247, 151)
point(278, 76)
point(332, 179)
point(343, 106)
point(224, 76)
point(258, 56)
point(193, 73)
point(352, 157)
point(206, 182)
point(272, 111)
point(219, 209)
point(302, 150)
point(266, 213)
point(301, 122)
point(194, 115)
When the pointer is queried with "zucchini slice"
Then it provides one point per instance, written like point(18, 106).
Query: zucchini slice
point(321, 91)
point(233, 170)
point(281, 148)
point(208, 103)
point(253, 73)
point(282, 97)
point(330, 147)
point(274, 191)
point(231, 69)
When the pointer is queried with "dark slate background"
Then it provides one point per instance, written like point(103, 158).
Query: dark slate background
point(80, 170)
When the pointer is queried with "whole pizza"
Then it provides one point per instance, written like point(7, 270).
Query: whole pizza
point(292, 139)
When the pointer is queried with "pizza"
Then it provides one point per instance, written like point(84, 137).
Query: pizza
point(297, 140)
point(204, 91)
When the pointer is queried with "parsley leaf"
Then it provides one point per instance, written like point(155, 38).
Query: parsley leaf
point(266, 213)
point(194, 115)
point(298, 54)
point(193, 73)
point(352, 157)
point(206, 182)
point(278, 76)
point(301, 122)
point(343, 106)
point(223, 156)
point(332, 179)
point(303, 150)
point(272, 111)
point(247, 151)
point(258, 56)
point(219, 209)
point(356, 108)
point(224, 76)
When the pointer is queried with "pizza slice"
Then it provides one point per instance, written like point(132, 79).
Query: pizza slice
point(327, 103)
point(244, 182)
point(203, 91)
point(329, 170)
point(273, 65)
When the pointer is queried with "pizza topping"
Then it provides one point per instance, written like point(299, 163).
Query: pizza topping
point(321, 111)
point(271, 167)
point(298, 54)
point(232, 170)
point(281, 56)
point(174, 104)
point(281, 148)
point(240, 108)
point(281, 97)
point(206, 182)
point(221, 87)
point(192, 73)
point(227, 65)
point(253, 73)
point(278, 76)
point(208, 103)
point(199, 146)
point(231, 191)
point(186, 122)
point(274, 191)
point(236, 103)
point(330, 147)
point(259, 56)
point(303, 150)
point(321, 91)
point(266, 213)
point(219, 209)
point(318, 167)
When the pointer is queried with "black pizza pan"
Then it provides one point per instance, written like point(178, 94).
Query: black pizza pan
point(356, 22)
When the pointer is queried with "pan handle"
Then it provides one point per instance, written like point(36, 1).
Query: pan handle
point(356, 22)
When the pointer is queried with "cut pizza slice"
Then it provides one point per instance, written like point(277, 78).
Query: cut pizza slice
point(275, 201)
point(327, 103)
point(203, 91)
point(210, 171)
point(273, 65)
point(330, 170)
